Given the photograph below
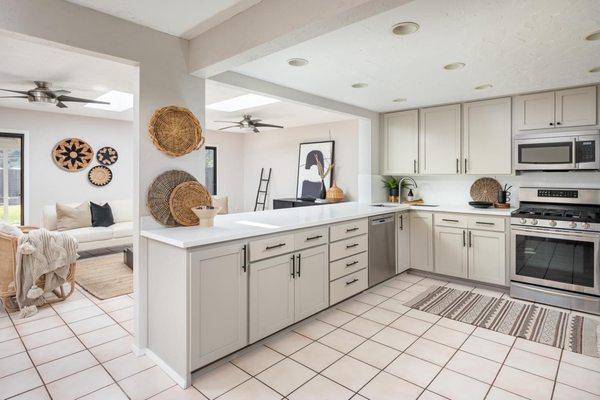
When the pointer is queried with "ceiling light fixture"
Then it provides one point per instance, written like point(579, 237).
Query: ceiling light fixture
point(482, 87)
point(242, 102)
point(297, 62)
point(594, 70)
point(360, 85)
point(119, 101)
point(405, 28)
point(593, 36)
point(453, 66)
point(399, 100)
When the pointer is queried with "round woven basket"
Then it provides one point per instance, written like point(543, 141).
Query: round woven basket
point(175, 131)
point(186, 196)
point(485, 189)
point(159, 194)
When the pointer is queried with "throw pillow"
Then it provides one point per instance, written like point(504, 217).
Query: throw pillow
point(101, 215)
point(69, 217)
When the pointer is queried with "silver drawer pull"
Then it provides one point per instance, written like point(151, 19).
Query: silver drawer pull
point(352, 281)
point(351, 263)
point(349, 246)
point(314, 237)
point(276, 246)
point(351, 229)
point(485, 223)
point(449, 220)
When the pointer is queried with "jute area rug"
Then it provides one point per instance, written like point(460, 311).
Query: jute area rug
point(105, 276)
point(528, 321)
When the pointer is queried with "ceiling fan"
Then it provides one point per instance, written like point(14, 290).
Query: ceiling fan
point(248, 123)
point(43, 94)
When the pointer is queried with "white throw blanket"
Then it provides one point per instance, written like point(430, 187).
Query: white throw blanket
point(41, 252)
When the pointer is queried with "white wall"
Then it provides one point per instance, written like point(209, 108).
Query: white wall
point(242, 155)
point(49, 184)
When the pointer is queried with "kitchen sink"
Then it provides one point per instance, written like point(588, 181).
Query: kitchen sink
point(424, 205)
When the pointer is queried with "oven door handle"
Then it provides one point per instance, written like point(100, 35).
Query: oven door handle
point(555, 233)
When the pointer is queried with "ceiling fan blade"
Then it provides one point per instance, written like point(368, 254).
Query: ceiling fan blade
point(228, 122)
point(14, 91)
point(254, 121)
point(14, 97)
point(60, 92)
point(232, 126)
point(261, 125)
point(60, 104)
point(79, 100)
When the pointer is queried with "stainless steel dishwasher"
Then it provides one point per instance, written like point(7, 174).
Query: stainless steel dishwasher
point(382, 248)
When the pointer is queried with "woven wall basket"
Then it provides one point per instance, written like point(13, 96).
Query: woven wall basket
point(175, 131)
point(485, 189)
point(185, 197)
point(159, 194)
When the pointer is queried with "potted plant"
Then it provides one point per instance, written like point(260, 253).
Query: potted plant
point(391, 184)
point(323, 172)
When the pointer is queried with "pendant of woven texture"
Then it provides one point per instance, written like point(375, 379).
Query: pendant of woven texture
point(185, 197)
point(159, 194)
point(175, 131)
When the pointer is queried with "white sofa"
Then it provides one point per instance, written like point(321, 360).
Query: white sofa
point(90, 238)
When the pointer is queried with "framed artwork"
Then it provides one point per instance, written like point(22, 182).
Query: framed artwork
point(309, 183)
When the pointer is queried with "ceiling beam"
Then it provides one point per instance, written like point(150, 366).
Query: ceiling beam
point(273, 25)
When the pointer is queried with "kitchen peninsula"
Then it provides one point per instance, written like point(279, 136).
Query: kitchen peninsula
point(253, 274)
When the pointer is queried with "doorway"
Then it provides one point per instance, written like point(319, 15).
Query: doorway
point(11, 178)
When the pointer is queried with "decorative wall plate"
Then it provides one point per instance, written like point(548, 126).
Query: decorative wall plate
point(175, 131)
point(100, 175)
point(107, 156)
point(72, 154)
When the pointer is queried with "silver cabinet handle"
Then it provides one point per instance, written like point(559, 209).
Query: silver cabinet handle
point(276, 246)
point(351, 263)
point(449, 220)
point(485, 223)
point(352, 281)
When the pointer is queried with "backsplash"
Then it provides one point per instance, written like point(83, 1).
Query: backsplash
point(450, 189)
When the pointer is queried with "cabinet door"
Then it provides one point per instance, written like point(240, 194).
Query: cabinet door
point(487, 137)
point(576, 107)
point(312, 282)
point(421, 241)
point(535, 111)
point(401, 142)
point(487, 256)
point(451, 251)
point(218, 287)
point(403, 238)
point(439, 140)
point(271, 296)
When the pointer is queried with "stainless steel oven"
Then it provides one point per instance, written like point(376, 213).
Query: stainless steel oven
point(547, 257)
point(557, 151)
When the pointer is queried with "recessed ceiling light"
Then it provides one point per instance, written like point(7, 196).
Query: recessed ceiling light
point(242, 102)
point(593, 70)
point(399, 100)
point(453, 66)
point(593, 36)
point(360, 85)
point(297, 62)
point(482, 87)
point(405, 28)
point(119, 101)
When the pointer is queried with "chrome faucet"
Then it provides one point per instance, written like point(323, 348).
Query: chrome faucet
point(407, 178)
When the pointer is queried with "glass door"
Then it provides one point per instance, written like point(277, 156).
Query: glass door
point(11, 178)
point(555, 259)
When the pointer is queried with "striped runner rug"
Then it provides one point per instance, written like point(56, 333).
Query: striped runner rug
point(528, 321)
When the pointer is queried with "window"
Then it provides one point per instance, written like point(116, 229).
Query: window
point(211, 169)
point(11, 178)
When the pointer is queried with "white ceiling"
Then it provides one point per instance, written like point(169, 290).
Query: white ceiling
point(183, 18)
point(515, 45)
point(286, 113)
point(86, 76)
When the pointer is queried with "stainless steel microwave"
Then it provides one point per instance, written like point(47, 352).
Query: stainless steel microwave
point(564, 151)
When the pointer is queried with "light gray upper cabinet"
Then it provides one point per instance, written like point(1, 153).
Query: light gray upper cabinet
point(219, 283)
point(557, 109)
point(312, 282)
point(439, 140)
point(487, 137)
point(401, 143)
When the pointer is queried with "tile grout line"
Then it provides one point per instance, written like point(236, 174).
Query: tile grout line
point(556, 375)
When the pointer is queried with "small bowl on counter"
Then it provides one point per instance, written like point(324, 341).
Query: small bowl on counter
point(480, 204)
point(206, 215)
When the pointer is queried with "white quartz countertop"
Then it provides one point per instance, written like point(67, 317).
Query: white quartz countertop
point(245, 225)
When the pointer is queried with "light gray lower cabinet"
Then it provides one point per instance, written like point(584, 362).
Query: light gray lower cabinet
point(286, 289)
point(451, 251)
point(403, 238)
point(218, 302)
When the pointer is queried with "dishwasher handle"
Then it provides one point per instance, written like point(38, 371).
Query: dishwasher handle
point(384, 220)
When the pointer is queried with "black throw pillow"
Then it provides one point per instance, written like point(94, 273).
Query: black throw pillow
point(101, 215)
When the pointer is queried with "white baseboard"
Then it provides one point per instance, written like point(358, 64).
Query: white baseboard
point(183, 382)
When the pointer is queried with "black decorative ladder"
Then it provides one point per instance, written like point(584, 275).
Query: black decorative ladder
point(261, 202)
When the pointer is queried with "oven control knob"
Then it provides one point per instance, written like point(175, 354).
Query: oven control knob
point(523, 221)
point(552, 223)
point(534, 222)
point(586, 226)
point(573, 225)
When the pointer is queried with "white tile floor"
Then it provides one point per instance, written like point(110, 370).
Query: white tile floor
point(370, 347)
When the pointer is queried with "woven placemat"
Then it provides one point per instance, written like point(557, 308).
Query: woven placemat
point(185, 197)
point(175, 131)
point(159, 194)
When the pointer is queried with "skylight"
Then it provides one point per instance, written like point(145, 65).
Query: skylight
point(242, 103)
point(119, 101)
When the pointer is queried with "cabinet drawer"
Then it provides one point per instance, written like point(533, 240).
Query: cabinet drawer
point(310, 238)
point(270, 247)
point(348, 286)
point(347, 265)
point(349, 229)
point(487, 223)
point(348, 247)
point(457, 220)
